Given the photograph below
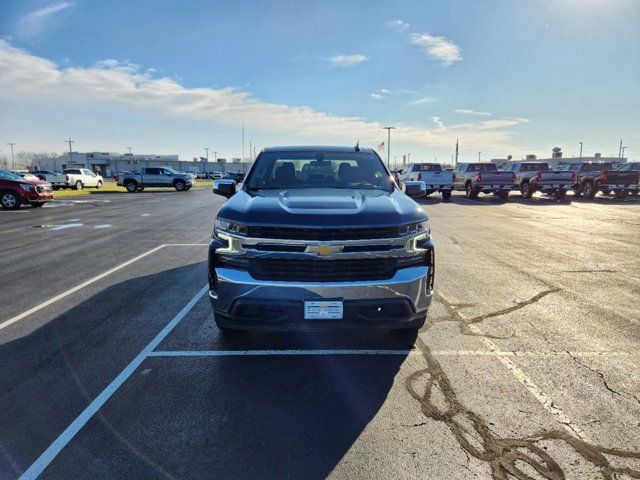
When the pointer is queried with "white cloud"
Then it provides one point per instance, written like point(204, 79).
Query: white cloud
point(118, 89)
point(471, 112)
point(34, 23)
point(398, 24)
point(377, 96)
point(385, 91)
point(348, 60)
point(437, 48)
point(438, 121)
point(422, 101)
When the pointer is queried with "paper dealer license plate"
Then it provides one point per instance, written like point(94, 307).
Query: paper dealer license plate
point(327, 310)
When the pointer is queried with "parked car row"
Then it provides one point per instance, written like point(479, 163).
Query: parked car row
point(583, 178)
point(76, 178)
point(16, 190)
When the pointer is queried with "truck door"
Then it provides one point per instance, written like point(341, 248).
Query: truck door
point(152, 177)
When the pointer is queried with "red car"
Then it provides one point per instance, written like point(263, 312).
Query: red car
point(15, 190)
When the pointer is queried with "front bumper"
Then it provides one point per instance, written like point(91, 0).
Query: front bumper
point(244, 302)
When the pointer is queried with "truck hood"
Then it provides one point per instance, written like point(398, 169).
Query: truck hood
point(322, 208)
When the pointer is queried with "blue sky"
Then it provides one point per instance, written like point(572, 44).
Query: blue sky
point(506, 77)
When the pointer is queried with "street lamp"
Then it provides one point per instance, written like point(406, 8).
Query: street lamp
point(580, 150)
point(13, 161)
point(388, 129)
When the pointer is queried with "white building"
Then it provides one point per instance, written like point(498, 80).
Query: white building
point(109, 163)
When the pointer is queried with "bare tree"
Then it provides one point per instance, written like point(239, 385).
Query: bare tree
point(33, 160)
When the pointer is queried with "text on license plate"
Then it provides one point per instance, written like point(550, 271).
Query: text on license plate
point(321, 310)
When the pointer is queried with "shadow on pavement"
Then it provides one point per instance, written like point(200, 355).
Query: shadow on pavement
point(247, 417)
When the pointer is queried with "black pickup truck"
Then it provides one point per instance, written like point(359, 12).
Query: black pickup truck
point(592, 177)
point(320, 237)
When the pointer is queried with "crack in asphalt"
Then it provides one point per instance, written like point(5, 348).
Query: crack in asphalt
point(464, 323)
point(602, 378)
point(506, 456)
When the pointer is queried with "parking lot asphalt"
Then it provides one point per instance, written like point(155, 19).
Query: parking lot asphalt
point(528, 366)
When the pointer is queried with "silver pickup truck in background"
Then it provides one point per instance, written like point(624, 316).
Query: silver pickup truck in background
point(434, 177)
point(154, 177)
point(474, 178)
point(534, 177)
point(56, 179)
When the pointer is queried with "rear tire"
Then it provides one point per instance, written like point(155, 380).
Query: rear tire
point(10, 200)
point(78, 185)
point(446, 194)
point(470, 192)
point(131, 186)
point(525, 190)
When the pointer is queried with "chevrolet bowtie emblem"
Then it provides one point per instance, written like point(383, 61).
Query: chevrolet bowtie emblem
point(324, 249)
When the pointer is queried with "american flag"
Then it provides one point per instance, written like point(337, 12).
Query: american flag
point(381, 147)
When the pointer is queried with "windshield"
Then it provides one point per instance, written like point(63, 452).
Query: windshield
point(427, 167)
point(170, 170)
point(7, 175)
point(356, 170)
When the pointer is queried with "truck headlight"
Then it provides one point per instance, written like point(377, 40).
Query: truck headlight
point(27, 188)
point(229, 227)
point(416, 228)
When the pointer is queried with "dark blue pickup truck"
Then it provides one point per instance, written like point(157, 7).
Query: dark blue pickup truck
point(317, 238)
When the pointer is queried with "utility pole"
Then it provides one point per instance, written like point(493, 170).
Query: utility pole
point(250, 149)
point(479, 156)
point(620, 150)
point(70, 152)
point(215, 157)
point(129, 148)
point(206, 149)
point(388, 129)
point(581, 150)
point(456, 151)
point(13, 160)
point(409, 157)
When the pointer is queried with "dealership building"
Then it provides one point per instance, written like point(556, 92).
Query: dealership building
point(109, 163)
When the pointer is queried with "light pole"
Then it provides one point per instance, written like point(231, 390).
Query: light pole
point(206, 149)
point(70, 152)
point(580, 150)
point(388, 129)
point(13, 161)
point(479, 153)
point(215, 157)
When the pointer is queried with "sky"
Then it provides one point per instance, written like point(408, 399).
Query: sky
point(505, 77)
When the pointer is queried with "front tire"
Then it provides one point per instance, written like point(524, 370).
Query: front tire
point(10, 200)
point(588, 190)
point(99, 185)
point(620, 194)
point(180, 185)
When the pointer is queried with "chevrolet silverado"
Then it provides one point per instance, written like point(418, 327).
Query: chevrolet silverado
point(594, 177)
point(320, 237)
point(474, 178)
point(534, 177)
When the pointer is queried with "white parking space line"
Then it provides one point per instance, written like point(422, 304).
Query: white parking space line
point(11, 321)
point(65, 437)
point(66, 293)
point(518, 353)
point(534, 389)
point(260, 353)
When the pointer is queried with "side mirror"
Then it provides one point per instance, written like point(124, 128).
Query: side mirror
point(224, 187)
point(415, 189)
